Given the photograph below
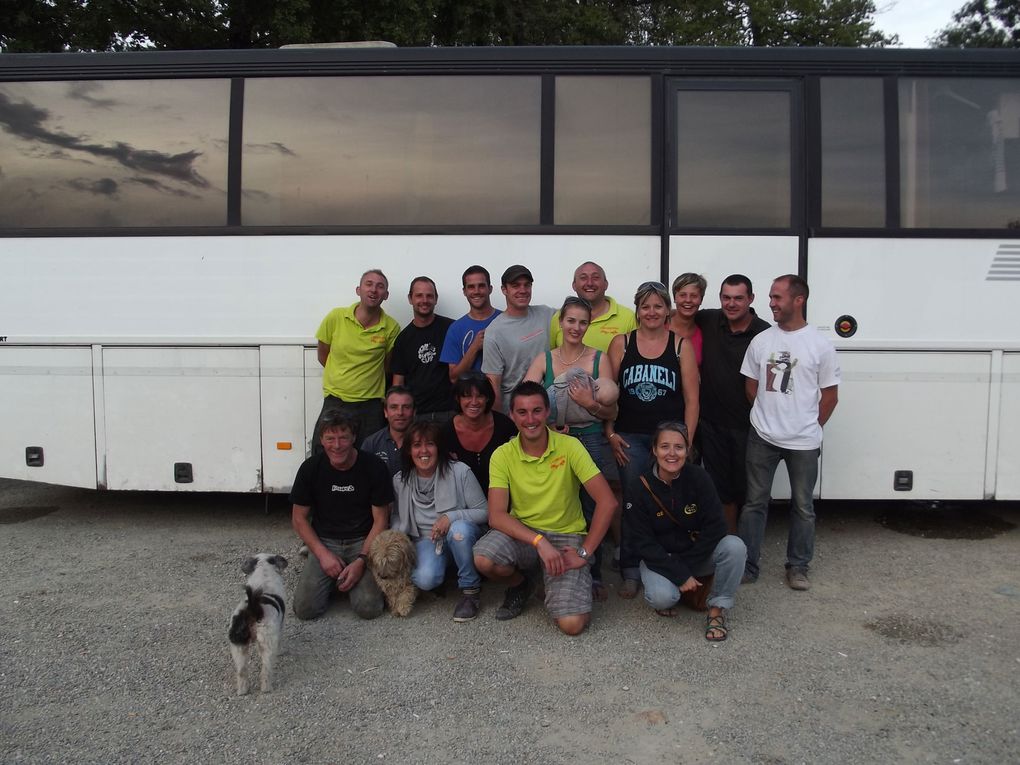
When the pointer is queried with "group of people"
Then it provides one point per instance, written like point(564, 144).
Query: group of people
point(505, 438)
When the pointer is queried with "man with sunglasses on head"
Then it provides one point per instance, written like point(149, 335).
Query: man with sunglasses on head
point(462, 349)
point(517, 335)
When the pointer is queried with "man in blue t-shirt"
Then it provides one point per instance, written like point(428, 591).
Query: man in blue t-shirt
point(462, 349)
point(341, 500)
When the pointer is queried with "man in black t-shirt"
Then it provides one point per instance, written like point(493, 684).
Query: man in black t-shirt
point(341, 500)
point(415, 361)
point(725, 410)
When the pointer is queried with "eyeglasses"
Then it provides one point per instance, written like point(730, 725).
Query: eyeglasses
point(578, 302)
point(657, 286)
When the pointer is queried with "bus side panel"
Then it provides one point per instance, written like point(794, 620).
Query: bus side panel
point(922, 412)
point(760, 259)
point(252, 290)
point(46, 402)
point(1007, 485)
point(313, 396)
point(914, 294)
point(196, 407)
point(281, 387)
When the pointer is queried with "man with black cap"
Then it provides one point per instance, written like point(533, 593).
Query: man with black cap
point(515, 337)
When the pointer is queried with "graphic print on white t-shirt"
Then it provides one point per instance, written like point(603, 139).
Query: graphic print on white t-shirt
point(779, 373)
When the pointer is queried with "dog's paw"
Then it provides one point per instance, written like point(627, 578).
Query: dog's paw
point(242, 688)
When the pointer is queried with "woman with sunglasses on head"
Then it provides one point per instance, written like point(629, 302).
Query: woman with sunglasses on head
point(677, 525)
point(658, 378)
point(475, 431)
point(688, 294)
point(441, 507)
point(582, 391)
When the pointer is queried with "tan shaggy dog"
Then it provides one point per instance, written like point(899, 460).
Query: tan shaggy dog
point(391, 559)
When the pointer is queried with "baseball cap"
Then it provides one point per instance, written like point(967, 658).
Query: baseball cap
point(514, 273)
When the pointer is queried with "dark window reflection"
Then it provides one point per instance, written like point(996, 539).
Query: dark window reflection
point(603, 150)
point(733, 159)
point(853, 152)
point(112, 154)
point(391, 151)
point(960, 153)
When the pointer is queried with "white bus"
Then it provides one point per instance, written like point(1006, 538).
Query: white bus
point(175, 225)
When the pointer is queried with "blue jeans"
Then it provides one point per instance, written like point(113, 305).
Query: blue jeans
point(762, 461)
point(727, 563)
point(640, 453)
point(430, 570)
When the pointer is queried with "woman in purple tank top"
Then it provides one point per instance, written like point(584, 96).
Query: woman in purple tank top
point(658, 378)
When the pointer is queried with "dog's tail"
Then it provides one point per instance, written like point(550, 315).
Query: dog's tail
point(241, 624)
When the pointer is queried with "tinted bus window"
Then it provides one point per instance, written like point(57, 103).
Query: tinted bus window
point(114, 153)
point(733, 159)
point(391, 151)
point(960, 153)
point(603, 150)
point(853, 152)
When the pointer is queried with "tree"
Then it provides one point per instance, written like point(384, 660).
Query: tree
point(55, 25)
point(983, 24)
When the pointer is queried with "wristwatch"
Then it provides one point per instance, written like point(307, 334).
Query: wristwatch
point(582, 554)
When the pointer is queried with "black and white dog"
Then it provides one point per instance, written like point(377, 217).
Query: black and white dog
point(259, 617)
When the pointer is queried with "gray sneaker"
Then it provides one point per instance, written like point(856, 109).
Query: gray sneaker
point(796, 579)
point(468, 607)
point(515, 600)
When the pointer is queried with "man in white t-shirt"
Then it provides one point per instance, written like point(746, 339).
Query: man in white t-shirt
point(792, 380)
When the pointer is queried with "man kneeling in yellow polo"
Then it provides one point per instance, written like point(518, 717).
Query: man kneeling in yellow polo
point(535, 515)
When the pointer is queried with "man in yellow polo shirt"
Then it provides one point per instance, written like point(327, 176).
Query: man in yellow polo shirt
point(535, 515)
point(354, 349)
point(608, 318)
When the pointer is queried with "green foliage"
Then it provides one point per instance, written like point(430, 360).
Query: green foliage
point(983, 24)
point(54, 25)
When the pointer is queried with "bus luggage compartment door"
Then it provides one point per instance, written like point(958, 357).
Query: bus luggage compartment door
point(46, 404)
point(178, 413)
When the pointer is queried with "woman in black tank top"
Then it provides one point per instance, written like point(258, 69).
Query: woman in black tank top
point(658, 376)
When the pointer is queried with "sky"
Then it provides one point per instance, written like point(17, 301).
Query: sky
point(915, 20)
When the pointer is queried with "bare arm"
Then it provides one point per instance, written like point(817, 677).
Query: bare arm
point(536, 372)
point(750, 389)
point(468, 360)
point(691, 382)
point(398, 379)
point(497, 382)
point(323, 351)
point(830, 397)
point(605, 507)
point(352, 574)
point(615, 357)
point(330, 564)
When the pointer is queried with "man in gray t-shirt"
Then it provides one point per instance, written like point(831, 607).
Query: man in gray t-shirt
point(515, 337)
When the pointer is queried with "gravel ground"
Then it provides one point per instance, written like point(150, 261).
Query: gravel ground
point(113, 649)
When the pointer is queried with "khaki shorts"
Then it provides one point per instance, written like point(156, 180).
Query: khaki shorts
point(565, 595)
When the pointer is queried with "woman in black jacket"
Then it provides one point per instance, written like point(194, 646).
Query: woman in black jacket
point(679, 532)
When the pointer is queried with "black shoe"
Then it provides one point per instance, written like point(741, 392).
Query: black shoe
point(515, 600)
point(468, 607)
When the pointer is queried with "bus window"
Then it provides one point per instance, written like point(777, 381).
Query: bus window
point(603, 150)
point(960, 153)
point(113, 154)
point(733, 159)
point(853, 152)
point(391, 151)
